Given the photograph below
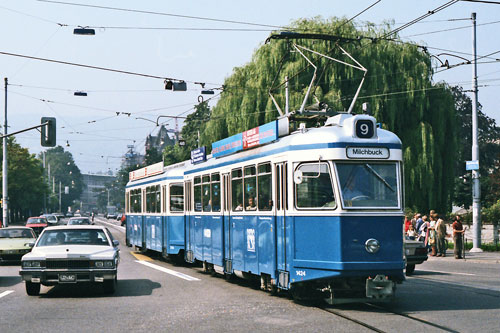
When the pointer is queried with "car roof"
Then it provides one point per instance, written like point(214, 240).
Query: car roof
point(8, 228)
point(79, 218)
point(62, 227)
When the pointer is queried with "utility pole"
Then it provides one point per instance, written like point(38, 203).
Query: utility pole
point(59, 196)
point(476, 186)
point(5, 197)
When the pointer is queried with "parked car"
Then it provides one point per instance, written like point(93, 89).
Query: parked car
point(69, 214)
point(415, 253)
point(14, 242)
point(119, 217)
point(111, 216)
point(71, 255)
point(37, 224)
point(80, 221)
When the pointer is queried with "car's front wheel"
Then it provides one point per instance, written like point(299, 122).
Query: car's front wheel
point(32, 289)
point(110, 286)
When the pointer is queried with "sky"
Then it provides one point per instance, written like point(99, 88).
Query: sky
point(196, 43)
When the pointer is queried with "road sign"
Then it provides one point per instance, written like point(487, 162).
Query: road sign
point(472, 165)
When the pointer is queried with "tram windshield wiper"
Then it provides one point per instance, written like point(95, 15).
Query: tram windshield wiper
point(379, 177)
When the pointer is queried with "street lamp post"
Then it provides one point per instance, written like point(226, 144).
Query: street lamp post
point(476, 186)
point(5, 197)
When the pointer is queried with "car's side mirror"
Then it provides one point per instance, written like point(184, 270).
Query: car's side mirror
point(115, 243)
point(31, 244)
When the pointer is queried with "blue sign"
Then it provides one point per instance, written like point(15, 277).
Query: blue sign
point(472, 165)
point(198, 155)
point(252, 138)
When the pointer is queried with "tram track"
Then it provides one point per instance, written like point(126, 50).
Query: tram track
point(344, 315)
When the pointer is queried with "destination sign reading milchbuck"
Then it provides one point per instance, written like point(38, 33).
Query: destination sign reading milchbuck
point(367, 152)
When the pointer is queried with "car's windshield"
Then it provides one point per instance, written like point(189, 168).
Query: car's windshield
point(78, 221)
point(16, 233)
point(36, 220)
point(368, 184)
point(51, 218)
point(73, 236)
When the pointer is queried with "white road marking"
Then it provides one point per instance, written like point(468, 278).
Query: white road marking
point(119, 227)
point(168, 271)
point(457, 273)
point(5, 293)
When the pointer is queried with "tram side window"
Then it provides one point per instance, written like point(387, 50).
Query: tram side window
point(153, 203)
point(157, 199)
point(197, 194)
point(207, 205)
point(215, 187)
point(136, 202)
point(264, 185)
point(176, 197)
point(315, 190)
point(237, 190)
point(250, 183)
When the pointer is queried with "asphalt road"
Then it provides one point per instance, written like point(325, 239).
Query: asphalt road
point(444, 295)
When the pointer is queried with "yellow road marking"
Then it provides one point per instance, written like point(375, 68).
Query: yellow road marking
point(141, 257)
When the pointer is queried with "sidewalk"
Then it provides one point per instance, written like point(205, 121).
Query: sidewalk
point(481, 257)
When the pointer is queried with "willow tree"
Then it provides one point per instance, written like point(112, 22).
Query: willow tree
point(398, 86)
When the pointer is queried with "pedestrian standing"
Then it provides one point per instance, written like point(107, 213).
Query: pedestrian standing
point(432, 234)
point(458, 231)
point(407, 223)
point(419, 221)
point(440, 237)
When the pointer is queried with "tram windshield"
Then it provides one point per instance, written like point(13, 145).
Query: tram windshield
point(368, 185)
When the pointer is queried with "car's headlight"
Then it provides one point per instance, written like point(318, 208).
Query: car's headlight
point(31, 263)
point(104, 264)
point(109, 264)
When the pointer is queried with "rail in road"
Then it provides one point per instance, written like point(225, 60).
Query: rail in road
point(442, 296)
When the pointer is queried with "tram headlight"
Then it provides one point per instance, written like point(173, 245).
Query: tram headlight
point(372, 245)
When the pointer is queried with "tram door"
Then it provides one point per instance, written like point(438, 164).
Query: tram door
point(226, 209)
point(189, 227)
point(280, 172)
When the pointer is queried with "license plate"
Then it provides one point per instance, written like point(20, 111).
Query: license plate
point(67, 277)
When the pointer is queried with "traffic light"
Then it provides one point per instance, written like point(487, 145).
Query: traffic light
point(48, 138)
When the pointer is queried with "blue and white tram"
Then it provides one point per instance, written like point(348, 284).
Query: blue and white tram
point(318, 211)
point(154, 204)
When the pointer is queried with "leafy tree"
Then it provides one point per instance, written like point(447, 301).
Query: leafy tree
point(489, 153)
point(152, 156)
point(398, 86)
point(64, 171)
point(192, 132)
point(26, 186)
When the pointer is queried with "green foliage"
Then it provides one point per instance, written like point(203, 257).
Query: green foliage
point(491, 214)
point(63, 170)
point(194, 130)
point(398, 86)
point(489, 153)
point(26, 188)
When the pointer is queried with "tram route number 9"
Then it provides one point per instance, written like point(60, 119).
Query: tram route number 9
point(364, 129)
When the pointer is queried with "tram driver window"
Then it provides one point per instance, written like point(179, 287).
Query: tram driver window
point(237, 190)
point(315, 190)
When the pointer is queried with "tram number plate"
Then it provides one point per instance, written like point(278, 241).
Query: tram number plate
point(67, 277)
point(364, 129)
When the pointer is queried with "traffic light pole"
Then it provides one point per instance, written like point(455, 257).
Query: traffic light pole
point(5, 198)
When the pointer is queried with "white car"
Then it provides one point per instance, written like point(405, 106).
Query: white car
point(70, 255)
